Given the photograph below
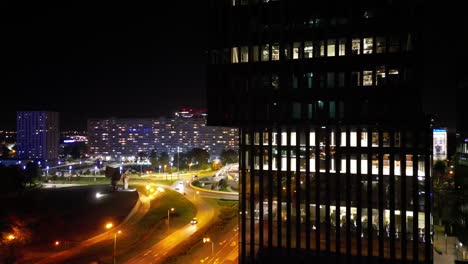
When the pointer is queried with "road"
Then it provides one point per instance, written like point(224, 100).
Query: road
point(225, 250)
point(159, 251)
point(139, 211)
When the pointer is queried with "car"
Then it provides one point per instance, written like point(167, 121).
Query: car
point(194, 221)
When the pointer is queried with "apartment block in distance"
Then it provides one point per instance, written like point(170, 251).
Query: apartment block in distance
point(182, 132)
point(335, 150)
point(38, 135)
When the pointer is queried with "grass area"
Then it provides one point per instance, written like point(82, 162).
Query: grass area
point(66, 214)
point(151, 229)
point(105, 181)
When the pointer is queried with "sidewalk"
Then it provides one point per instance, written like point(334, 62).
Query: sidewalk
point(444, 249)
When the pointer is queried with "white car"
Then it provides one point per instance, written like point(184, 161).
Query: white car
point(194, 221)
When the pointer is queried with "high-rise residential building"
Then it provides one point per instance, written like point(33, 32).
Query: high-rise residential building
point(335, 150)
point(182, 132)
point(38, 135)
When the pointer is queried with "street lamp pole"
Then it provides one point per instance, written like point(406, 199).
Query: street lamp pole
point(178, 158)
point(206, 240)
point(109, 226)
point(168, 217)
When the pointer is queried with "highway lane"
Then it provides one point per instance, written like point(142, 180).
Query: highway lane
point(161, 250)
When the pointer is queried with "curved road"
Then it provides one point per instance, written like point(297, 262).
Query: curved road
point(159, 251)
point(139, 211)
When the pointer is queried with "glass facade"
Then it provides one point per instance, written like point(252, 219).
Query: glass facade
point(325, 188)
point(335, 152)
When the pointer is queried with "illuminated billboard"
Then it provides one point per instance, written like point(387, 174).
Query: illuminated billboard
point(440, 143)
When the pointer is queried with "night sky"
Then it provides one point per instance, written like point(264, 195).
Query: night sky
point(90, 59)
point(101, 58)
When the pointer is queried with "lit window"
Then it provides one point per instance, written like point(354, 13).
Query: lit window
point(266, 52)
point(380, 45)
point(309, 78)
point(331, 48)
point(308, 49)
point(244, 54)
point(235, 55)
point(368, 45)
point(287, 52)
point(367, 78)
point(255, 53)
point(393, 76)
point(356, 46)
point(342, 47)
point(356, 79)
point(380, 74)
point(275, 52)
point(296, 50)
point(322, 48)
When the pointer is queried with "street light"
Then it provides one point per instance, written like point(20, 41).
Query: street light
point(70, 170)
point(178, 167)
point(109, 226)
point(168, 217)
point(207, 240)
point(170, 164)
point(47, 171)
point(11, 237)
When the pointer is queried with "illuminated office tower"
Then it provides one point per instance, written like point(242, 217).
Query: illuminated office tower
point(335, 150)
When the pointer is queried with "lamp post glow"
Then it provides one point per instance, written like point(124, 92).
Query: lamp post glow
point(178, 167)
point(47, 171)
point(207, 240)
point(109, 226)
point(168, 217)
point(11, 237)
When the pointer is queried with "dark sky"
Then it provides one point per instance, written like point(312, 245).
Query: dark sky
point(104, 58)
point(101, 58)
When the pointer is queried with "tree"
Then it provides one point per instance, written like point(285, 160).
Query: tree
point(114, 175)
point(153, 158)
point(181, 160)
point(229, 156)
point(216, 165)
point(13, 178)
point(440, 168)
point(164, 159)
point(32, 172)
point(199, 155)
point(13, 226)
point(4, 152)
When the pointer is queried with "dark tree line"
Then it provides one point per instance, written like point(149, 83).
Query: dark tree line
point(14, 178)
